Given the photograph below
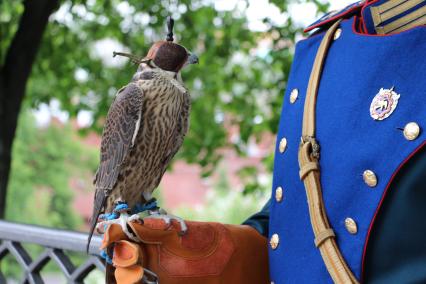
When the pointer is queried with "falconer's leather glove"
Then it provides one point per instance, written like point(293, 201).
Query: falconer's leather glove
point(208, 253)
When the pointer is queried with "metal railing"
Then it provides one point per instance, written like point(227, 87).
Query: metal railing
point(55, 243)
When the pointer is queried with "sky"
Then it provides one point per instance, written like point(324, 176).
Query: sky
point(302, 15)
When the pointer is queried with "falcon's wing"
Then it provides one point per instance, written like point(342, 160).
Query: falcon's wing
point(121, 126)
point(120, 130)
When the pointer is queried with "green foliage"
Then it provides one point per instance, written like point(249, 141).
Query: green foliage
point(230, 79)
point(44, 160)
point(9, 19)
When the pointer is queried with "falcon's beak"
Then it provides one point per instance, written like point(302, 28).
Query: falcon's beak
point(192, 58)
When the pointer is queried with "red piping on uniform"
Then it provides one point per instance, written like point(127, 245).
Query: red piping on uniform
point(361, 22)
point(362, 12)
point(335, 17)
point(380, 204)
point(377, 35)
point(354, 29)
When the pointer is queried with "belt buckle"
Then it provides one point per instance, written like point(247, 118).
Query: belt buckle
point(314, 145)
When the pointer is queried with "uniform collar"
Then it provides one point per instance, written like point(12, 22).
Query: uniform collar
point(393, 16)
point(379, 16)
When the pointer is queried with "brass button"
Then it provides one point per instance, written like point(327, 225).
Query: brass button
point(351, 226)
point(411, 131)
point(337, 34)
point(294, 95)
point(283, 145)
point(370, 178)
point(279, 194)
point(275, 240)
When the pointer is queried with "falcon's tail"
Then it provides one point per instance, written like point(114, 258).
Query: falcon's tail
point(100, 198)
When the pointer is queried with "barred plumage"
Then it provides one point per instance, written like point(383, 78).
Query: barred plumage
point(144, 129)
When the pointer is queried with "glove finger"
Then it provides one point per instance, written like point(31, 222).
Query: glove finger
point(126, 254)
point(154, 233)
point(113, 233)
point(155, 224)
point(129, 275)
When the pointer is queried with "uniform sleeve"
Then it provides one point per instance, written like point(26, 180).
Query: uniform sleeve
point(260, 220)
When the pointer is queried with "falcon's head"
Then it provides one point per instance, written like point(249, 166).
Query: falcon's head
point(170, 56)
point(166, 55)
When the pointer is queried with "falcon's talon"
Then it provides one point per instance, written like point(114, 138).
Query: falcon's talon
point(161, 211)
point(122, 221)
point(167, 218)
point(134, 218)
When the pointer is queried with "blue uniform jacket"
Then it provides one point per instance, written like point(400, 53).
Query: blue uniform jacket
point(373, 171)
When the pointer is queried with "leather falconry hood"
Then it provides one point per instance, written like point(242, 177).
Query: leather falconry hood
point(165, 54)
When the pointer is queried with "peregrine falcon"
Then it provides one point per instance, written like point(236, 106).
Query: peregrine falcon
point(144, 128)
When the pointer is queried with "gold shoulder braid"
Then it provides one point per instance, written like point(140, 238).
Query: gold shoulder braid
point(397, 16)
point(310, 174)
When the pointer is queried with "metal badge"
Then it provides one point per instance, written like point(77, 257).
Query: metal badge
point(383, 104)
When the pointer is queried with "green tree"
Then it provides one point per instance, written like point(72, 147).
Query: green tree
point(45, 159)
point(18, 48)
point(229, 79)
